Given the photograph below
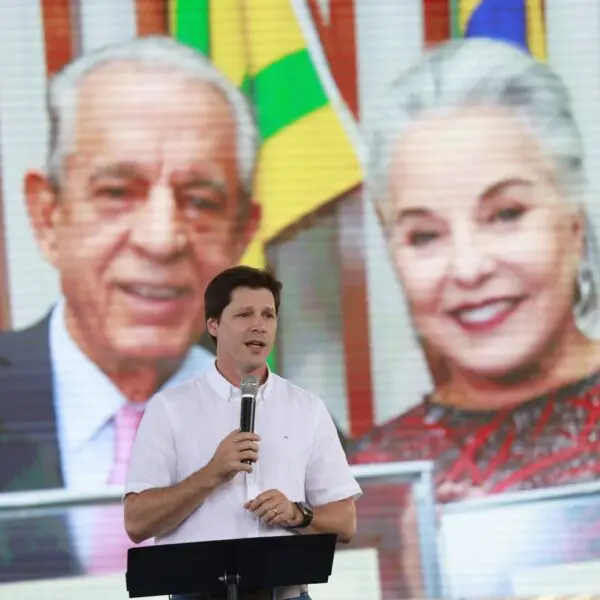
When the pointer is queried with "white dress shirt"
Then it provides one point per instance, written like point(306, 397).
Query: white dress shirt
point(300, 452)
point(86, 400)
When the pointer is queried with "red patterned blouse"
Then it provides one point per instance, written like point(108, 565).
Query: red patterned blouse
point(548, 441)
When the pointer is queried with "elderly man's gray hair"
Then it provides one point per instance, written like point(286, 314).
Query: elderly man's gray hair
point(160, 52)
point(480, 72)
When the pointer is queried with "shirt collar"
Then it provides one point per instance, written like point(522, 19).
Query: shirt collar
point(85, 398)
point(228, 392)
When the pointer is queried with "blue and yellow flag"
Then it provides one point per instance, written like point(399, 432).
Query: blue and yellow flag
point(520, 22)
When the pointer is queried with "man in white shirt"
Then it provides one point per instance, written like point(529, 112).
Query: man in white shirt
point(186, 479)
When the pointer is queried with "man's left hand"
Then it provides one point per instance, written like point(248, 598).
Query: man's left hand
point(273, 508)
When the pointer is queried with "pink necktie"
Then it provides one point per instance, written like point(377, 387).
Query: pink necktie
point(110, 542)
point(126, 422)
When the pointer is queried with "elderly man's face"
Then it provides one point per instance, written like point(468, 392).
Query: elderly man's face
point(146, 212)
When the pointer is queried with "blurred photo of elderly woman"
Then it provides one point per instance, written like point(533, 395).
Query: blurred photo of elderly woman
point(477, 172)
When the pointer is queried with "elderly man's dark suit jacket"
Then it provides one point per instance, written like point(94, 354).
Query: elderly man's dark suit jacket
point(30, 548)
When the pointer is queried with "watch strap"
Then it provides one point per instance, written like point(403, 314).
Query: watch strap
point(307, 515)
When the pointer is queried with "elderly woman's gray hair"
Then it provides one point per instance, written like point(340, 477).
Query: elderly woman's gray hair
point(480, 72)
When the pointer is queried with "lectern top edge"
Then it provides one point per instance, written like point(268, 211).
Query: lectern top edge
point(247, 565)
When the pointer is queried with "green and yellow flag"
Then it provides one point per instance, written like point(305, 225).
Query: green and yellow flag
point(306, 158)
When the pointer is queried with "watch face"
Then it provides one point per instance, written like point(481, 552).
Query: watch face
point(306, 512)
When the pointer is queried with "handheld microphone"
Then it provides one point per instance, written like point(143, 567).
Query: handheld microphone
point(249, 389)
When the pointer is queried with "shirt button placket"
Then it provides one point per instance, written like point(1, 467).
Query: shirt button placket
point(253, 490)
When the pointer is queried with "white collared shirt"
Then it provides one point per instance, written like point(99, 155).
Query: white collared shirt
point(86, 400)
point(300, 452)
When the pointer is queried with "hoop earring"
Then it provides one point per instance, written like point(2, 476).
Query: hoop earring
point(586, 294)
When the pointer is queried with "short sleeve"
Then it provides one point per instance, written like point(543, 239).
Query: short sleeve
point(153, 460)
point(328, 477)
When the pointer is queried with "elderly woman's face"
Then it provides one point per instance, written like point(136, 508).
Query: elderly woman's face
point(485, 245)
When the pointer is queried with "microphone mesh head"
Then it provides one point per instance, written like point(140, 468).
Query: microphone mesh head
point(249, 385)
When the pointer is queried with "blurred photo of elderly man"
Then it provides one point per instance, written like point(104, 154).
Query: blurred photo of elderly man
point(147, 196)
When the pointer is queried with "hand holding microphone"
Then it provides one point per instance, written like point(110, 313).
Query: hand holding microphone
point(239, 449)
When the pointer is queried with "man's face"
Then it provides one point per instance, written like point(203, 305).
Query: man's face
point(146, 213)
point(246, 330)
